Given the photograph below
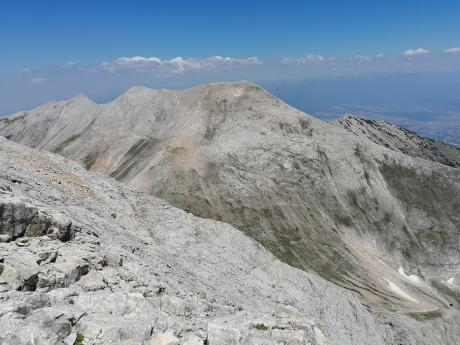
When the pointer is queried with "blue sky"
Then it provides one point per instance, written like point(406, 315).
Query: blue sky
point(52, 32)
point(55, 49)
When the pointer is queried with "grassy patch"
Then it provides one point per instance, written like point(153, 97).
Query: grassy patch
point(79, 340)
point(343, 219)
point(260, 327)
point(425, 315)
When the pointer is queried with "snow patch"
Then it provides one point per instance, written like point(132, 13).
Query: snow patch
point(381, 261)
point(395, 288)
point(450, 281)
point(413, 278)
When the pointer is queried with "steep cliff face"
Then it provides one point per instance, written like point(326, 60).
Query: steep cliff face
point(373, 219)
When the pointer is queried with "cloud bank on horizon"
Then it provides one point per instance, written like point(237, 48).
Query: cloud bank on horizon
point(31, 85)
point(178, 65)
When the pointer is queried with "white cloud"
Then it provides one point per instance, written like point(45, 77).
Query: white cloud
point(307, 59)
point(452, 50)
point(38, 80)
point(362, 58)
point(369, 58)
point(25, 70)
point(178, 64)
point(70, 64)
point(316, 59)
point(418, 51)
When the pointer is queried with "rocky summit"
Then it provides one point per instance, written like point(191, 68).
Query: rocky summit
point(221, 215)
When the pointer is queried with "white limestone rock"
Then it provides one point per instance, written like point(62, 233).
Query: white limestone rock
point(345, 211)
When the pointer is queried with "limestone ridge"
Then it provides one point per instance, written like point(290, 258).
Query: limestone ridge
point(380, 220)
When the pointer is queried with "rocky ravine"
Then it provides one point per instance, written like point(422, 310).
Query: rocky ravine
point(378, 221)
point(87, 260)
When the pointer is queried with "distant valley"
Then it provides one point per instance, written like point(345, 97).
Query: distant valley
point(427, 104)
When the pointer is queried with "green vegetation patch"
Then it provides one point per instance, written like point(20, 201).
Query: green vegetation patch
point(260, 327)
point(79, 340)
point(425, 315)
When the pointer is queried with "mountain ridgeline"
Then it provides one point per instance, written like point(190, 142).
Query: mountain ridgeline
point(366, 205)
point(402, 140)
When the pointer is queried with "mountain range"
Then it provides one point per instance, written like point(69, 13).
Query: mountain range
point(279, 216)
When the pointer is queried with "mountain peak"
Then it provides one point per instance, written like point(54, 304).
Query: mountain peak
point(80, 98)
point(241, 83)
point(138, 89)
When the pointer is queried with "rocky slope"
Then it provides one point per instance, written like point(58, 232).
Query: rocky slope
point(87, 260)
point(372, 219)
point(402, 140)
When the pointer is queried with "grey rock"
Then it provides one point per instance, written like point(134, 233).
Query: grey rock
point(112, 260)
point(193, 340)
point(320, 196)
point(369, 229)
point(33, 302)
point(92, 281)
point(252, 330)
point(166, 338)
point(5, 238)
point(20, 272)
